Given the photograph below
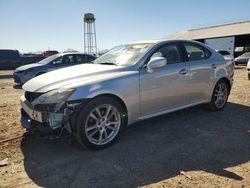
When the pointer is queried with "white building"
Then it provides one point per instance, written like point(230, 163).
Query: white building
point(233, 37)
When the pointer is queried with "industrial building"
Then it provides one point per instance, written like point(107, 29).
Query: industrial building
point(233, 37)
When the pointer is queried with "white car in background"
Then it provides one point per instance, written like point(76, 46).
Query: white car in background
point(242, 59)
point(248, 69)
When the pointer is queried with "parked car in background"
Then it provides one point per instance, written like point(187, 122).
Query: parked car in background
point(248, 69)
point(242, 59)
point(131, 82)
point(226, 55)
point(24, 73)
point(9, 59)
point(50, 53)
point(239, 50)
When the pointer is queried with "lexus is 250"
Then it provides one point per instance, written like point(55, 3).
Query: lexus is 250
point(131, 82)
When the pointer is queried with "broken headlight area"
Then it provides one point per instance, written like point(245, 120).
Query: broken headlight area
point(45, 107)
point(53, 103)
point(53, 100)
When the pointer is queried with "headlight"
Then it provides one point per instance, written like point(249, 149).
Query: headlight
point(57, 97)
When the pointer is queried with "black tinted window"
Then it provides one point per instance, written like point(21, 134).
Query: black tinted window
point(170, 52)
point(57, 61)
point(68, 59)
point(84, 58)
point(222, 52)
point(196, 52)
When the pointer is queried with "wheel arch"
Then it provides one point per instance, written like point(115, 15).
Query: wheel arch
point(118, 99)
point(227, 81)
point(215, 83)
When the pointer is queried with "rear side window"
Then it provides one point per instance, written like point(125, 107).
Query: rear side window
point(84, 58)
point(68, 59)
point(222, 52)
point(170, 52)
point(196, 52)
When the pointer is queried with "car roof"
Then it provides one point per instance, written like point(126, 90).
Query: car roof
point(161, 40)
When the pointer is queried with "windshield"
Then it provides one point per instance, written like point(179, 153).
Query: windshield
point(49, 59)
point(246, 54)
point(124, 55)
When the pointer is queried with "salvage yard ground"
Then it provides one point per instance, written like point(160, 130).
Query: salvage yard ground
point(190, 148)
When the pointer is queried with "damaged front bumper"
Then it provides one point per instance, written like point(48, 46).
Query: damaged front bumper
point(44, 121)
point(39, 119)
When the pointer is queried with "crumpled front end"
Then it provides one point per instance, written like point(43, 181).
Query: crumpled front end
point(44, 112)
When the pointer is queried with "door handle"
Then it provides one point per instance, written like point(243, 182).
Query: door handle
point(183, 71)
point(214, 66)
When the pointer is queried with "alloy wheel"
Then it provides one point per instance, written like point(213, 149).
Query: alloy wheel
point(221, 94)
point(102, 124)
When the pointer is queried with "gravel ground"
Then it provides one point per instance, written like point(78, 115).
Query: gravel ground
point(190, 148)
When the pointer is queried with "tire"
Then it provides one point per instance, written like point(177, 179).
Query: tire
point(94, 123)
point(248, 76)
point(220, 96)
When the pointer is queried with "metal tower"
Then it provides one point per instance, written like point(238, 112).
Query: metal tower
point(90, 44)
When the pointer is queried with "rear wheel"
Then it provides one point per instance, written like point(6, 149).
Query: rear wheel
point(220, 96)
point(100, 123)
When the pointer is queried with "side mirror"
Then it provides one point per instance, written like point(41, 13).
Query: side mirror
point(156, 62)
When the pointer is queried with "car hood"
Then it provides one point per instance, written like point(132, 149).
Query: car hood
point(71, 76)
point(27, 67)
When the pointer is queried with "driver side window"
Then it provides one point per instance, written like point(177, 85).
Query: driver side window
point(170, 52)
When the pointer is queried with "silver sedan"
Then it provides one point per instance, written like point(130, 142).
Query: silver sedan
point(129, 83)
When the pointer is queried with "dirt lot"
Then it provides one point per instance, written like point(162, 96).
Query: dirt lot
point(189, 148)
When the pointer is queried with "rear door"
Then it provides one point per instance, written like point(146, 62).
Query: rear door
point(201, 69)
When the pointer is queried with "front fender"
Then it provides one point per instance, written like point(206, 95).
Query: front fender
point(126, 88)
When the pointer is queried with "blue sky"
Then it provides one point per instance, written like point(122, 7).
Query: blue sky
point(33, 25)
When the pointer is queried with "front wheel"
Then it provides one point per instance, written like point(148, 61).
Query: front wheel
point(100, 123)
point(220, 96)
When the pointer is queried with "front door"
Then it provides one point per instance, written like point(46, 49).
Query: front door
point(165, 88)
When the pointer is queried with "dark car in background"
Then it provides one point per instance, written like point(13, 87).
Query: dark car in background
point(9, 59)
point(50, 53)
point(24, 73)
point(242, 59)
